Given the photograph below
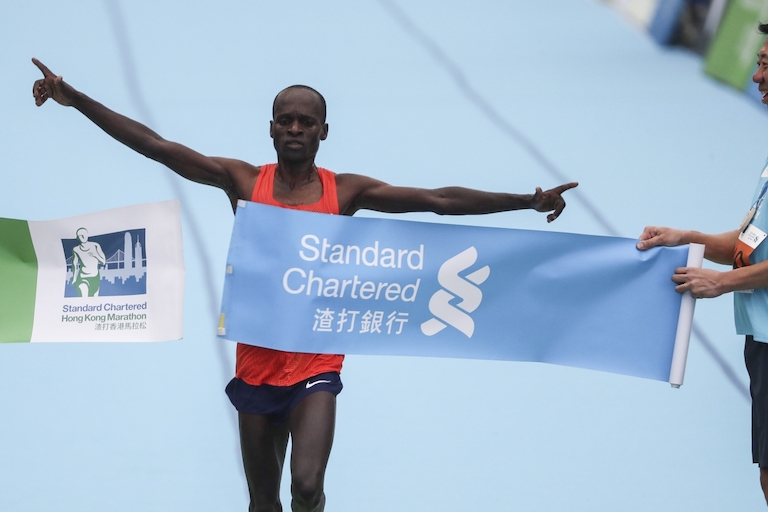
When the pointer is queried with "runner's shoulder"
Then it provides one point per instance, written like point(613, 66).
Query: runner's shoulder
point(357, 182)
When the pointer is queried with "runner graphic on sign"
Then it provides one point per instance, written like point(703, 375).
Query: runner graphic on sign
point(86, 259)
point(108, 264)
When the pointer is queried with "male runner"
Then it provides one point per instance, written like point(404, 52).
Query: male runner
point(280, 394)
point(746, 250)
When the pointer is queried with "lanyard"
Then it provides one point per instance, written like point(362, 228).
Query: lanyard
point(760, 198)
point(753, 211)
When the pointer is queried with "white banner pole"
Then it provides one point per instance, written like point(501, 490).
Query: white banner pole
point(684, 322)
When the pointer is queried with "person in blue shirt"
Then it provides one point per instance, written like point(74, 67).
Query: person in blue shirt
point(746, 251)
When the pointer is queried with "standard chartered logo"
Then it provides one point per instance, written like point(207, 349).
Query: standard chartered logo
point(454, 286)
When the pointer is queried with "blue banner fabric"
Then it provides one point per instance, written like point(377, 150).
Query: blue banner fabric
point(309, 282)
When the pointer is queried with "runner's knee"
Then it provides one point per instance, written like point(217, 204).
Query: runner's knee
point(307, 489)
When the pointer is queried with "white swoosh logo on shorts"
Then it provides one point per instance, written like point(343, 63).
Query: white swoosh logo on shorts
point(310, 384)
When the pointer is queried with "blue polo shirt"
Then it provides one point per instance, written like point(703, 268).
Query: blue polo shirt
point(751, 309)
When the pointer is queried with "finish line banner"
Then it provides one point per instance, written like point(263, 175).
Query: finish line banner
point(116, 275)
point(308, 282)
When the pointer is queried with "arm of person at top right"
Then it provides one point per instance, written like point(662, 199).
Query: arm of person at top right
point(703, 282)
point(718, 248)
point(182, 160)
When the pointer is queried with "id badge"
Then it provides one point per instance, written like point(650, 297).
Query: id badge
point(752, 236)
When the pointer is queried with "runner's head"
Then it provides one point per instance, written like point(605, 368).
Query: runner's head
point(298, 123)
point(294, 88)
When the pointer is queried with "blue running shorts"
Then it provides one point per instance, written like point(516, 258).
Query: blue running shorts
point(277, 402)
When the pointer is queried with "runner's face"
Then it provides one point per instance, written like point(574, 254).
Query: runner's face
point(761, 75)
point(82, 235)
point(298, 126)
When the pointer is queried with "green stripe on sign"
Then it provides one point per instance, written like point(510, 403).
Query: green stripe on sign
point(18, 280)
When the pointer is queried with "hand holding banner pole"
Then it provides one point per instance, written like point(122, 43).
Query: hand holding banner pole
point(685, 322)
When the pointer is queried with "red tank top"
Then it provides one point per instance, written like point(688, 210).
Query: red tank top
point(257, 365)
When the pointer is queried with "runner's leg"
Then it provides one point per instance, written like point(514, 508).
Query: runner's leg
point(263, 446)
point(312, 423)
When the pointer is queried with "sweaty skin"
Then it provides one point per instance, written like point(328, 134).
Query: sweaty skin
point(297, 128)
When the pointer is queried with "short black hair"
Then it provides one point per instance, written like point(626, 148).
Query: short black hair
point(763, 28)
point(306, 88)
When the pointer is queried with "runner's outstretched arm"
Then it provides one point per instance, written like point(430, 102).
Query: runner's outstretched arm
point(184, 161)
point(370, 194)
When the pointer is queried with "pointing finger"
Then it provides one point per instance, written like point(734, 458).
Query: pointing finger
point(567, 186)
point(42, 67)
